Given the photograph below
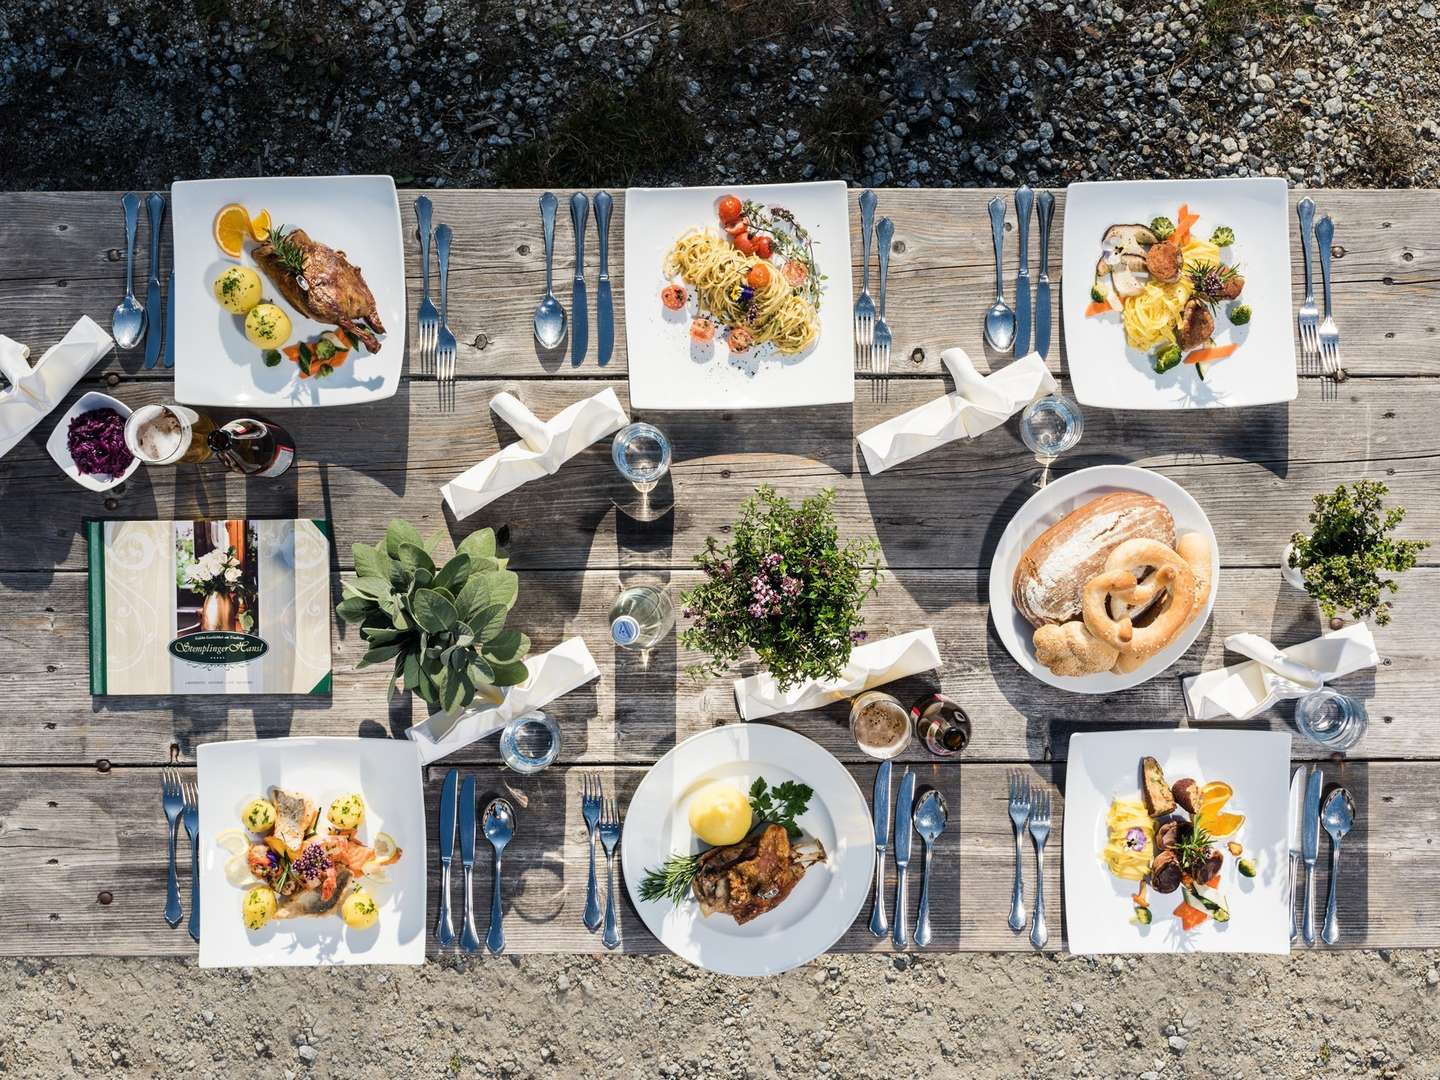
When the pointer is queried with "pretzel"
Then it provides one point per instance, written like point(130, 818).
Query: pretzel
point(1135, 555)
point(1142, 641)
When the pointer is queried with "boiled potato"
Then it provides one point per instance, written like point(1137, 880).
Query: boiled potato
point(720, 814)
point(267, 326)
point(258, 816)
point(346, 812)
point(360, 911)
point(258, 907)
point(238, 289)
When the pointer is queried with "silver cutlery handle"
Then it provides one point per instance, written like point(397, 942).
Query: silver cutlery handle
point(1017, 891)
point(469, 937)
point(884, 233)
point(1324, 236)
point(1331, 933)
point(1039, 934)
point(131, 204)
point(155, 211)
point(579, 214)
point(922, 920)
point(172, 880)
point(592, 893)
point(610, 938)
point(444, 925)
point(442, 257)
point(1024, 203)
point(194, 926)
point(1294, 884)
point(1045, 213)
point(1306, 212)
point(997, 236)
point(603, 205)
point(867, 219)
point(548, 202)
point(879, 924)
point(495, 939)
point(901, 937)
point(1308, 923)
point(422, 217)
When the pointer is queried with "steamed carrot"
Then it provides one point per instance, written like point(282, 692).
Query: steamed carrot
point(1182, 226)
point(293, 352)
point(1190, 917)
point(1213, 883)
point(1098, 307)
point(1206, 356)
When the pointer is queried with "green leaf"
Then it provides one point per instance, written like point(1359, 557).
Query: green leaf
point(501, 587)
point(400, 532)
point(411, 671)
point(433, 612)
point(355, 609)
point(375, 656)
point(423, 577)
point(478, 545)
point(381, 635)
point(413, 556)
point(509, 644)
point(487, 622)
point(371, 561)
point(373, 587)
point(453, 574)
point(511, 673)
point(479, 671)
point(452, 689)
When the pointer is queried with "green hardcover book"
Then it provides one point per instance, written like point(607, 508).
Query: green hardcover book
point(209, 607)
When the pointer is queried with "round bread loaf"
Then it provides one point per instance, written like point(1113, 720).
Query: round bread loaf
point(1052, 570)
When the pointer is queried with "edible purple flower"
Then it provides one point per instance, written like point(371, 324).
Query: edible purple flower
point(857, 636)
point(1135, 839)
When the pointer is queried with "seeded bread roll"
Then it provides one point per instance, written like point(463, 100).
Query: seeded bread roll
point(1053, 569)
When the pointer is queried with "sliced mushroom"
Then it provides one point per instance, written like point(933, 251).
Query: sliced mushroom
point(1130, 276)
point(1129, 239)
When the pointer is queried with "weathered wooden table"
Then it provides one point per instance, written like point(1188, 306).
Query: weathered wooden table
point(81, 832)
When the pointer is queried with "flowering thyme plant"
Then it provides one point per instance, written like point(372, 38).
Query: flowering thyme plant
point(786, 587)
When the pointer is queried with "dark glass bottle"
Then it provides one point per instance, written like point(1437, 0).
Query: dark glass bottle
point(253, 447)
point(941, 725)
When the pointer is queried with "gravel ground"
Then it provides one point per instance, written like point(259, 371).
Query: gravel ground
point(855, 1017)
point(135, 93)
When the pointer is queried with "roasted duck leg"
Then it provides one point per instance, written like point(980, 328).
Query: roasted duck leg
point(321, 283)
point(747, 879)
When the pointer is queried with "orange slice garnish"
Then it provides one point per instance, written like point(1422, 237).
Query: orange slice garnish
point(1213, 797)
point(232, 226)
point(260, 227)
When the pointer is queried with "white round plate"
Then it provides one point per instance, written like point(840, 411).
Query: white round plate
point(825, 902)
point(1049, 505)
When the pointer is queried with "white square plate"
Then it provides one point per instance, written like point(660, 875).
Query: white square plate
point(214, 363)
point(59, 442)
point(667, 372)
point(386, 773)
point(1106, 372)
point(1104, 766)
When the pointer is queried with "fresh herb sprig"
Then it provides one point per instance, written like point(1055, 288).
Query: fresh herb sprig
point(791, 239)
point(287, 251)
point(781, 804)
point(672, 880)
point(1192, 848)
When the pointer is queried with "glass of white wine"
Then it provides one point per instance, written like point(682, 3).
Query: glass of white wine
point(1049, 427)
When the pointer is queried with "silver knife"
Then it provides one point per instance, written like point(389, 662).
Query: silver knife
point(1024, 202)
point(170, 319)
point(604, 306)
point(1310, 846)
point(904, 805)
point(580, 323)
point(154, 311)
point(444, 928)
point(879, 925)
point(1045, 212)
point(1297, 807)
point(469, 939)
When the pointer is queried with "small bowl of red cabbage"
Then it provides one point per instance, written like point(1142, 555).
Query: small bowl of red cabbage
point(89, 442)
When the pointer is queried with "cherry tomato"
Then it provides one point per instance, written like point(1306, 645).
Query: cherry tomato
point(795, 272)
point(729, 208)
point(738, 228)
point(674, 297)
point(741, 339)
point(763, 246)
point(759, 275)
point(744, 243)
point(702, 331)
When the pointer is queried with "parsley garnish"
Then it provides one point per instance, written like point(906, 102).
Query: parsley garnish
point(781, 804)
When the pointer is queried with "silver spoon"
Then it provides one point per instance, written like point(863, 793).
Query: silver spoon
point(128, 323)
point(499, 826)
point(1337, 815)
point(549, 315)
point(930, 818)
point(999, 320)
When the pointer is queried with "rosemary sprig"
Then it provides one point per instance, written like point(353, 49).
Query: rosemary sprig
point(287, 251)
point(672, 880)
point(1192, 849)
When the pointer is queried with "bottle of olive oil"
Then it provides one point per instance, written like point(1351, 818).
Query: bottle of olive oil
point(253, 447)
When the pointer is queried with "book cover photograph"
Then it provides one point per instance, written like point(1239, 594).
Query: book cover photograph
point(209, 607)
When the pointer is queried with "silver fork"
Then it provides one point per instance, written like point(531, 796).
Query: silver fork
point(445, 341)
point(172, 802)
point(610, 837)
point(884, 233)
point(1329, 332)
point(1019, 813)
point(1308, 316)
point(427, 322)
point(192, 828)
point(864, 306)
point(1040, 832)
point(592, 791)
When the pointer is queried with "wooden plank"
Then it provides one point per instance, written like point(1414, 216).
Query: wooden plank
point(90, 847)
point(1254, 472)
point(64, 258)
point(637, 710)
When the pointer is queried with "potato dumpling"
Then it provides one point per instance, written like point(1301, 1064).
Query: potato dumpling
point(720, 814)
point(346, 812)
point(360, 911)
point(258, 816)
point(267, 326)
point(258, 907)
point(238, 289)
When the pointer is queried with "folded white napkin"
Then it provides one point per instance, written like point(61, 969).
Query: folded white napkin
point(978, 403)
point(1271, 674)
point(552, 674)
point(872, 664)
point(542, 449)
point(35, 391)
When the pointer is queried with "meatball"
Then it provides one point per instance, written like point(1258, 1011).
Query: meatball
point(1207, 866)
point(1165, 872)
point(1196, 324)
point(1233, 286)
point(1187, 794)
point(1168, 835)
point(1164, 261)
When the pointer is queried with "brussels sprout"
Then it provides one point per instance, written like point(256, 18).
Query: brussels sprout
point(1247, 867)
point(1240, 314)
point(1097, 294)
point(1163, 228)
point(271, 357)
point(1223, 236)
point(1143, 915)
point(1167, 358)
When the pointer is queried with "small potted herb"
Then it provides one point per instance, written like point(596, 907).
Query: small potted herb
point(1350, 547)
point(785, 587)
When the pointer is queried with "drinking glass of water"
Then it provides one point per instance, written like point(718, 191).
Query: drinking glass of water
point(1331, 719)
point(531, 742)
point(642, 454)
point(1049, 427)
